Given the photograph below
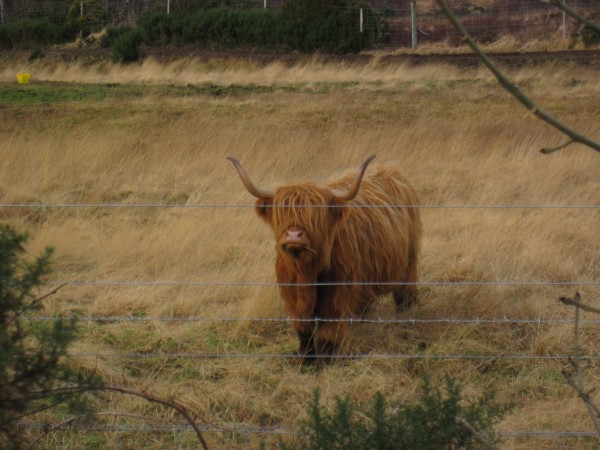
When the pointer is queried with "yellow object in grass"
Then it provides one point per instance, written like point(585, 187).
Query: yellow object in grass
point(24, 78)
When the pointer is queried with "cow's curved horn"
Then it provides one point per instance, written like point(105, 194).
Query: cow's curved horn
point(351, 193)
point(257, 192)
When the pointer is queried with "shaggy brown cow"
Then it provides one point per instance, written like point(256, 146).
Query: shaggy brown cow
point(330, 236)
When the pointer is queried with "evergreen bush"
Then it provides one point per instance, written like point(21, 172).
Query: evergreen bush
point(304, 25)
point(35, 373)
point(127, 47)
point(429, 424)
point(28, 33)
point(111, 35)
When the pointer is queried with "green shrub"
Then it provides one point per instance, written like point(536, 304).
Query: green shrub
point(588, 36)
point(127, 47)
point(93, 18)
point(28, 33)
point(305, 25)
point(112, 34)
point(156, 27)
point(428, 424)
point(330, 25)
point(34, 372)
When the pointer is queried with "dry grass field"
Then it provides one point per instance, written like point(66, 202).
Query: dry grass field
point(159, 281)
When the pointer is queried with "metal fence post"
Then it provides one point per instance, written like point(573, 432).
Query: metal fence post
point(413, 17)
point(361, 20)
point(564, 21)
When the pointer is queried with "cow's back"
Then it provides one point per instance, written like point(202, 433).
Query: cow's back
point(380, 235)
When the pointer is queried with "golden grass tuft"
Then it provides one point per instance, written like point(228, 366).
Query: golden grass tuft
point(462, 141)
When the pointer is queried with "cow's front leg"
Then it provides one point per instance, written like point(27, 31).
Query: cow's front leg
point(306, 337)
point(307, 349)
point(330, 336)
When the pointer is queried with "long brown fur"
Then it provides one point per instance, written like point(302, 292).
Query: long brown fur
point(347, 244)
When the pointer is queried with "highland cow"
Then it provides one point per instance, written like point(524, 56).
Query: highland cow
point(336, 243)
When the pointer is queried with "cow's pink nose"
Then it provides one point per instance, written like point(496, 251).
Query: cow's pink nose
point(293, 235)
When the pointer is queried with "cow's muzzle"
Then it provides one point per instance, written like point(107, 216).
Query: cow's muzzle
point(295, 242)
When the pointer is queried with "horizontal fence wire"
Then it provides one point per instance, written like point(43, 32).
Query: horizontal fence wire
point(288, 320)
point(182, 283)
point(242, 206)
point(209, 428)
point(392, 356)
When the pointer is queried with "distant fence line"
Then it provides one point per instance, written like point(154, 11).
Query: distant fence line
point(520, 19)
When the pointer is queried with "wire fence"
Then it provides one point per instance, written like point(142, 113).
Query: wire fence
point(487, 21)
point(254, 355)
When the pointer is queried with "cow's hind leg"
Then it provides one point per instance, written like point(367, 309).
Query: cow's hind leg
point(404, 299)
point(406, 295)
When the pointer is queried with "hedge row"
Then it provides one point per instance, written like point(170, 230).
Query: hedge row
point(304, 25)
point(28, 33)
point(331, 29)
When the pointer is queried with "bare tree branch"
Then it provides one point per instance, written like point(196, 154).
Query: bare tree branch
point(573, 14)
point(514, 90)
point(151, 398)
point(585, 396)
point(575, 380)
point(485, 443)
point(170, 403)
point(51, 429)
point(575, 302)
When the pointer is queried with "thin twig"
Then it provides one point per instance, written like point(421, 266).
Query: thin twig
point(585, 396)
point(70, 420)
point(485, 443)
point(514, 90)
point(151, 398)
point(170, 403)
point(35, 302)
point(51, 429)
point(571, 302)
point(577, 382)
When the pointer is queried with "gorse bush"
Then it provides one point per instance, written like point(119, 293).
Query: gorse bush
point(34, 371)
point(94, 15)
point(305, 25)
point(126, 47)
point(111, 35)
point(587, 36)
point(29, 33)
point(428, 424)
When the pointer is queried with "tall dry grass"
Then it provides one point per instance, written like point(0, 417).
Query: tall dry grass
point(462, 141)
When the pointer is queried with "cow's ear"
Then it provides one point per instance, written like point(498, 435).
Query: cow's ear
point(264, 209)
point(338, 210)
